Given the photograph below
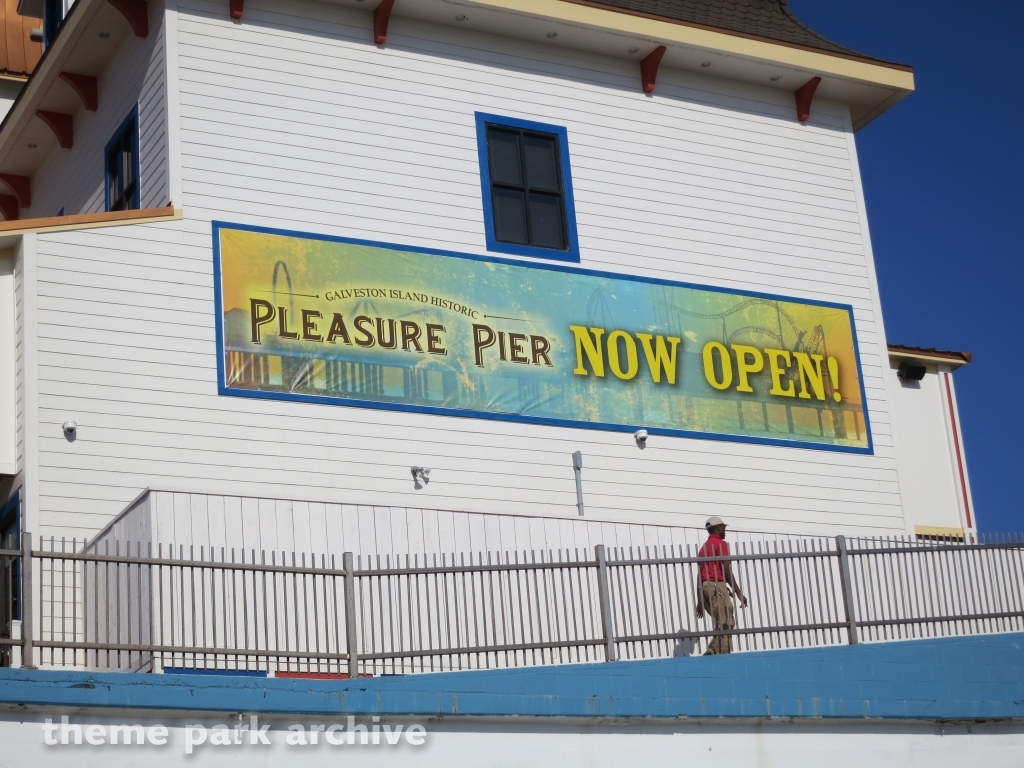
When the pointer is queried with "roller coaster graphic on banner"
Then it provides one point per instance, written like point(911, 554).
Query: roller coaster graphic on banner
point(812, 342)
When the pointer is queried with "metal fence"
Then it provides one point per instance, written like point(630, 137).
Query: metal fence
point(295, 614)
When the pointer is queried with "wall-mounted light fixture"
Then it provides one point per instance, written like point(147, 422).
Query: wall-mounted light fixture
point(909, 371)
point(420, 476)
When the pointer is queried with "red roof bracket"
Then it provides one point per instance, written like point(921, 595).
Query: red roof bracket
point(236, 7)
point(136, 12)
point(21, 186)
point(61, 125)
point(804, 97)
point(649, 68)
point(9, 207)
point(86, 88)
point(381, 17)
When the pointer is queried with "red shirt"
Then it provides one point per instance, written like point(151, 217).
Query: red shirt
point(713, 547)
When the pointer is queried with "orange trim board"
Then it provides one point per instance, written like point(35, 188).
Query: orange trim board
point(86, 220)
point(940, 532)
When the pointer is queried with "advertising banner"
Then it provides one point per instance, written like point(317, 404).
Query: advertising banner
point(331, 320)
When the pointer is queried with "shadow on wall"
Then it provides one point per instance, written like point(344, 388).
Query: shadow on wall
point(685, 646)
point(587, 69)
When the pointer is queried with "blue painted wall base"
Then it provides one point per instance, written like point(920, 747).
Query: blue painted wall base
point(949, 678)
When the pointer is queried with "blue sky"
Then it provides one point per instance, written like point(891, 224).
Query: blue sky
point(944, 180)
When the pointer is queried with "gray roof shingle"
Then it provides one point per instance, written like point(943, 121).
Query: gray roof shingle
point(770, 19)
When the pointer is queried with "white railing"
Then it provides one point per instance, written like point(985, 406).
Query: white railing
point(132, 608)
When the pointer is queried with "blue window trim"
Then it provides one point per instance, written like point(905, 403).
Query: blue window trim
point(137, 198)
point(573, 252)
point(10, 514)
point(53, 20)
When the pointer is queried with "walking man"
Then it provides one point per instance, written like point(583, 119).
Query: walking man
point(713, 593)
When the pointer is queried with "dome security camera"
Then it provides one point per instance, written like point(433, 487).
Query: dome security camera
point(70, 428)
point(641, 436)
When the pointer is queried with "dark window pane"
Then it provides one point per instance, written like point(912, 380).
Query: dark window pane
point(541, 162)
point(503, 148)
point(546, 220)
point(509, 215)
point(526, 188)
point(122, 178)
point(116, 179)
point(126, 164)
point(129, 166)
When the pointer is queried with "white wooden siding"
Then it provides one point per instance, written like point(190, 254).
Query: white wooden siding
point(294, 119)
point(211, 525)
point(927, 458)
point(19, 361)
point(8, 367)
point(27, 371)
point(73, 179)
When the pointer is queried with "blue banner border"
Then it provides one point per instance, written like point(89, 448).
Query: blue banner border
point(223, 389)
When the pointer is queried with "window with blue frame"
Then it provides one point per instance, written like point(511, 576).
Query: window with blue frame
point(527, 188)
point(53, 18)
point(10, 573)
point(122, 166)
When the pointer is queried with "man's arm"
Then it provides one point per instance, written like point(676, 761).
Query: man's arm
point(731, 580)
point(700, 598)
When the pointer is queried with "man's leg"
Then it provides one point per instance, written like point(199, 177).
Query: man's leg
point(728, 608)
point(715, 591)
point(710, 589)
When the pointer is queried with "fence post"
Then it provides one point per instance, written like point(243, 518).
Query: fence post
point(27, 654)
point(847, 584)
point(606, 603)
point(350, 614)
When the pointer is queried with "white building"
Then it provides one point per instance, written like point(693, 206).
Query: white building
point(423, 277)
point(691, 144)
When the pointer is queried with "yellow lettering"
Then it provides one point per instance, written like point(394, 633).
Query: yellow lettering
point(709, 365)
point(833, 373)
point(586, 344)
point(745, 366)
point(632, 362)
point(662, 358)
point(810, 375)
point(778, 371)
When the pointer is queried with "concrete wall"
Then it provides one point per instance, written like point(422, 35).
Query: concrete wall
point(928, 703)
point(549, 745)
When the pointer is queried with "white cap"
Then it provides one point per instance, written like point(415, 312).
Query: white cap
point(713, 522)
